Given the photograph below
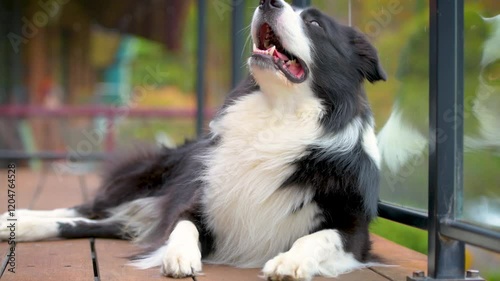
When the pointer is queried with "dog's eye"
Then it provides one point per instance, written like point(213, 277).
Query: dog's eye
point(313, 22)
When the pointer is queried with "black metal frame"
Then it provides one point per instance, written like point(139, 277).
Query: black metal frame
point(446, 234)
point(446, 257)
point(200, 68)
point(301, 3)
point(238, 42)
point(403, 215)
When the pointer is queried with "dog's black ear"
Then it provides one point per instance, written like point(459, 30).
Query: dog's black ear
point(369, 64)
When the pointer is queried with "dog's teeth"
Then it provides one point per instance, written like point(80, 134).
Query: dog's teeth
point(271, 50)
point(290, 63)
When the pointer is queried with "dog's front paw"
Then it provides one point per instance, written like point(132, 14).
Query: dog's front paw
point(28, 229)
point(5, 216)
point(5, 230)
point(181, 261)
point(290, 267)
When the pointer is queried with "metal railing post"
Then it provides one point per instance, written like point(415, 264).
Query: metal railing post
point(301, 3)
point(446, 256)
point(200, 69)
point(238, 41)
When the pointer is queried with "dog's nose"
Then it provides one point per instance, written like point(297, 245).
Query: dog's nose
point(268, 5)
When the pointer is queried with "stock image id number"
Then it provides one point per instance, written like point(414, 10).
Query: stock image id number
point(11, 186)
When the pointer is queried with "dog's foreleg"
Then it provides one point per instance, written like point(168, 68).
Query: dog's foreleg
point(321, 253)
point(27, 228)
point(56, 213)
point(180, 256)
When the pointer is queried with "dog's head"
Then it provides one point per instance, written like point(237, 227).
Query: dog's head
point(306, 46)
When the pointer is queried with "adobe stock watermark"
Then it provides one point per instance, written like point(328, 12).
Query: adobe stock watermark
point(222, 7)
point(94, 137)
point(30, 27)
point(382, 18)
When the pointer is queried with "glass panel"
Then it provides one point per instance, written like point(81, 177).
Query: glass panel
point(482, 113)
point(399, 30)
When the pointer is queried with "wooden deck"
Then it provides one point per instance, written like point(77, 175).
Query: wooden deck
point(102, 259)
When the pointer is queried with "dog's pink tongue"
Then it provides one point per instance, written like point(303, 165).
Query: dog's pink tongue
point(296, 69)
point(281, 56)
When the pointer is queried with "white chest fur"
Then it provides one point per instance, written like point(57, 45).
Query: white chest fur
point(252, 218)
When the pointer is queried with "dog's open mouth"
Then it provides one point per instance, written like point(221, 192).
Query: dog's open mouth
point(269, 46)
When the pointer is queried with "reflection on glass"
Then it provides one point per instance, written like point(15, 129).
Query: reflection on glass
point(400, 31)
point(482, 113)
point(401, 104)
point(481, 198)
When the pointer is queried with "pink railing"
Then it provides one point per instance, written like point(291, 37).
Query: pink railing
point(109, 112)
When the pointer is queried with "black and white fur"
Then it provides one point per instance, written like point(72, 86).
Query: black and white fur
point(286, 179)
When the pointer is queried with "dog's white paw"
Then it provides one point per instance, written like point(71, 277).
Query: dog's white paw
point(17, 214)
point(181, 260)
point(5, 230)
point(4, 217)
point(28, 229)
point(290, 267)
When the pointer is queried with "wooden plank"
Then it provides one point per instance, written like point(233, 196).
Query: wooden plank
point(111, 257)
point(406, 259)
point(358, 275)
point(58, 191)
point(226, 273)
point(52, 261)
point(4, 250)
point(112, 262)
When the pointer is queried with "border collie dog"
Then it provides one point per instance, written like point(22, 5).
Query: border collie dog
point(287, 178)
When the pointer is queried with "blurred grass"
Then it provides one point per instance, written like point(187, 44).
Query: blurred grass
point(177, 129)
point(407, 236)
